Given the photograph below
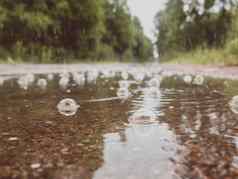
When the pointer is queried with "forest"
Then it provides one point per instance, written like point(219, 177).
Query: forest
point(202, 30)
point(60, 31)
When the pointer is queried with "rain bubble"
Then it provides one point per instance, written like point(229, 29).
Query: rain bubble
point(123, 93)
point(42, 83)
point(50, 77)
point(124, 75)
point(23, 82)
point(154, 82)
point(63, 82)
point(198, 80)
point(1, 81)
point(234, 104)
point(30, 78)
point(92, 76)
point(188, 79)
point(68, 107)
point(79, 79)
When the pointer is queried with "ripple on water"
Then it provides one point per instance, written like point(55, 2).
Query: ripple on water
point(161, 129)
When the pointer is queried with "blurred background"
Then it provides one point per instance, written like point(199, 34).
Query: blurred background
point(180, 31)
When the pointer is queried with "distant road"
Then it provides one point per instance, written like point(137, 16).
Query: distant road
point(168, 69)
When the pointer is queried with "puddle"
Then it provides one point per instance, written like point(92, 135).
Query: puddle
point(114, 124)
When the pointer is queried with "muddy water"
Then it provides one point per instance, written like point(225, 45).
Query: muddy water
point(194, 133)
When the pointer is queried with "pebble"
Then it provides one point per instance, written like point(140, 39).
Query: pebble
point(35, 165)
point(13, 139)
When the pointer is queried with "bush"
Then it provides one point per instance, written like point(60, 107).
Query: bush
point(105, 52)
point(127, 56)
point(19, 51)
point(232, 47)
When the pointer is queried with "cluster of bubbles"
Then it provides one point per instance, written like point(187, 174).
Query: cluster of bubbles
point(124, 91)
point(25, 81)
point(124, 86)
point(197, 80)
point(147, 80)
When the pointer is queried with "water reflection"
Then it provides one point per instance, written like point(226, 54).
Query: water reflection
point(166, 129)
point(138, 157)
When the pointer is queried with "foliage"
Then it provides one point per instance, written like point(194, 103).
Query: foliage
point(185, 25)
point(232, 47)
point(214, 56)
point(50, 31)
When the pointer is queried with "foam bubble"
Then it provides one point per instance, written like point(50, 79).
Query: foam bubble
point(42, 83)
point(234, 104)
point(68, 107)
point(188, 79)
point(198, 80)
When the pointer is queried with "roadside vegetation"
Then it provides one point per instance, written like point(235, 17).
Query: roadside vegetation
point(198, 32)
point(64, 31)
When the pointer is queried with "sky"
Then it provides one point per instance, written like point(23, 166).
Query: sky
point(146, 11)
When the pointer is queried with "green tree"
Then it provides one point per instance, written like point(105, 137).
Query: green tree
point(82, 29)
point(186, 25)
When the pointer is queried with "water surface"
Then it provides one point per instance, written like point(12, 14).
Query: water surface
point(194, 133)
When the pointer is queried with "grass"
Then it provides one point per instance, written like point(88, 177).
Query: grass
point(67, 61)
point(202, 57)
